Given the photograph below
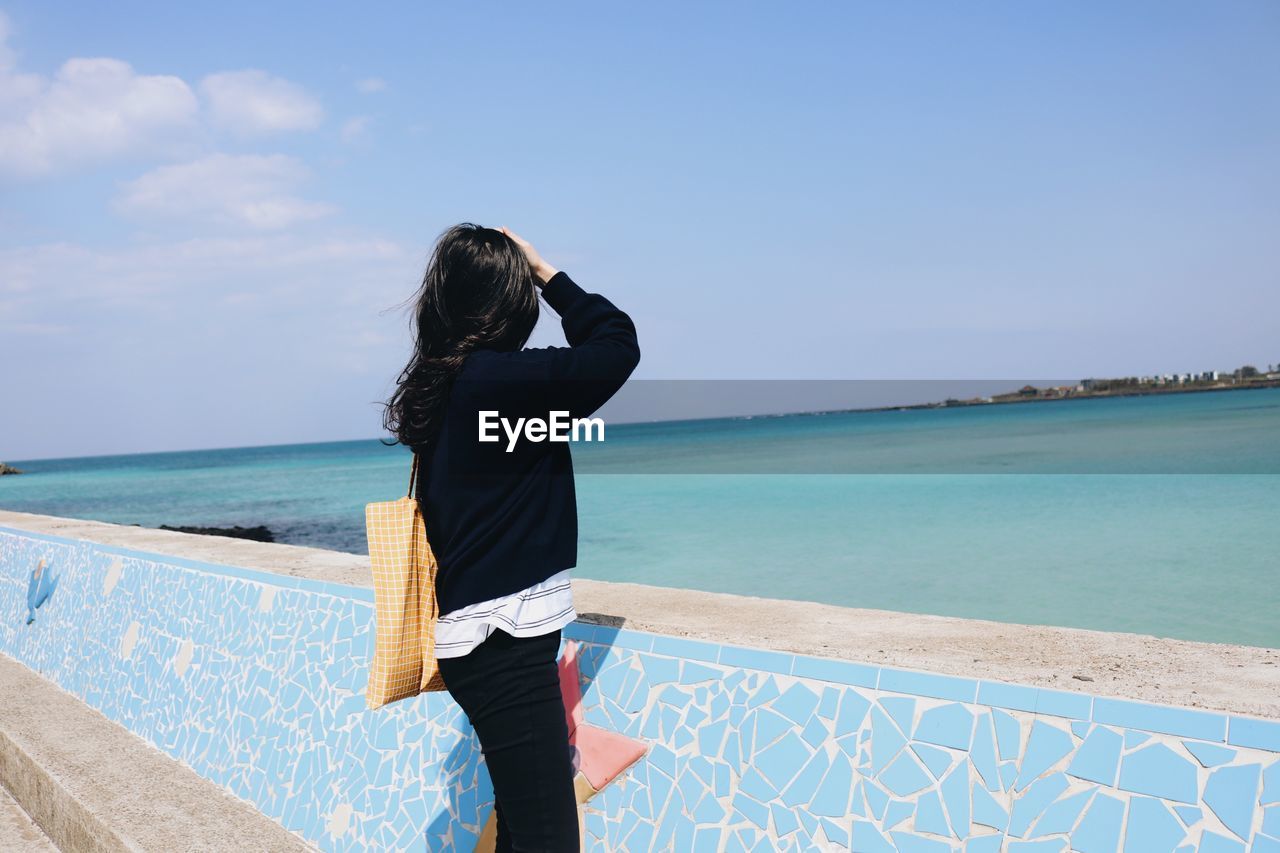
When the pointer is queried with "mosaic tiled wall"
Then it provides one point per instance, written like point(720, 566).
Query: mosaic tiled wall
point(254, 680)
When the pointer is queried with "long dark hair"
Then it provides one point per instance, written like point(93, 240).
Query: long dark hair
point(478, 292)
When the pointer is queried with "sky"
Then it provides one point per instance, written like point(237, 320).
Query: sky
point(213, 216)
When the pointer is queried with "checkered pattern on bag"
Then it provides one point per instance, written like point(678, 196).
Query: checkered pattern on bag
point(404, 573)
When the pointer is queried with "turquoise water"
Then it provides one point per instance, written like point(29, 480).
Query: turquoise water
point(1159, 515)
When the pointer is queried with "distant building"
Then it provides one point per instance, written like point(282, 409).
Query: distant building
point(1028, 391)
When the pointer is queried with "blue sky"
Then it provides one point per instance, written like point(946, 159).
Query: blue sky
point(209, 214)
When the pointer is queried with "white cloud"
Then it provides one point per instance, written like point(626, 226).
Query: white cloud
point(96, 109)
point(355, 129)
point(253, 102)
point(248, 189)
point(369, 85)
point(71, 284)
point(91, 110)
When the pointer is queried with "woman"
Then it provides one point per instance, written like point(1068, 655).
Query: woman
point(501, 515)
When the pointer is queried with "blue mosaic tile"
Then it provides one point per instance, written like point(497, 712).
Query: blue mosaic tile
point(836, 671)
point(686, 649)
point(905, 775)
point(1209, 754)
point(1047, 745)
point(1034, 801)
point(896, 812)
point(798, 703)
point(1180, 722)
point(984, 844)
point(759, 659)
point(834, 833)
point(937, 760)
point(1271, 822)
point(952, 725)
point(660, 670)
point(815, 733)
point(866, 837)
point(764, 693)
point(1265, 844)
point(707, 839)
point(1151, 827)
point(1231, 793)
point(1064, 703)
point(1212, 842)
point(906, 843)
point(1098, 758)
point(902, 710)
point(1188, 814)
point(830, 700)
point(853, 712)
point(769, 726)
point(1056, 845)
point(929, 814)
point(983, 753)
point(694, 673)
point(1160, 772)
point(1134, 738)
point(955, 793)
point(756, 812)
point(1099, 829)
point(801, 791)
point(757, 787)
point(782, 761)
point(886, 740)
point(987, 811)
point(709, 810)
point(927, 684)
point(1061, 816)
point(1255, 733)
point(859, 805)
point(1008, 735)
point(998, 694)
point(877, 797)
point(832, 797)
point(783, 819)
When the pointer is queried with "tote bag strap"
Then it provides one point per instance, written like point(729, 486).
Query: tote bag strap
point(413, 472)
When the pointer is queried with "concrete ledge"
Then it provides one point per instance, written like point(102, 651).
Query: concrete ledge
point(92, 785)
point(18, 831)
point(1213, 676)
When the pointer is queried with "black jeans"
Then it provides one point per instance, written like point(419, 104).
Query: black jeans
point(509, 688)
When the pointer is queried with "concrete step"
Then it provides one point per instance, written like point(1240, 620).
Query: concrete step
point(18, 832)
point(90, 784)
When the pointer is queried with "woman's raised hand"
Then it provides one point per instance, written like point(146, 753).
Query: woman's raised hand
point(542, 270)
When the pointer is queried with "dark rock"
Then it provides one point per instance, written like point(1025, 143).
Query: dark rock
point(260, 533)
point(8, 469)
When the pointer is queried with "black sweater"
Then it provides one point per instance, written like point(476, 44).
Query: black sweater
point(501, 521)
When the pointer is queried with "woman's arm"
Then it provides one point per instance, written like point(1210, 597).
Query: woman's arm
point(602, 353)
point(577, 379)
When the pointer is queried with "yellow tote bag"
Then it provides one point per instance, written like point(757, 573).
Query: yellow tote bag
point(404, 591)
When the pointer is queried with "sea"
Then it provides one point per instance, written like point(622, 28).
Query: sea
point(1156, 514)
